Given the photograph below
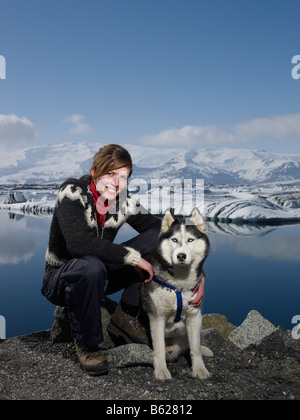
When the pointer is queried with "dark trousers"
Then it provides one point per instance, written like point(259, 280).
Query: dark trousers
point(82, 283)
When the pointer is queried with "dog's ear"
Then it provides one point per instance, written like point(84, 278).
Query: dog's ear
point(167, 221)
point(197, 219)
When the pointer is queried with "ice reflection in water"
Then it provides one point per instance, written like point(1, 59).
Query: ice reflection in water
point(249, 267)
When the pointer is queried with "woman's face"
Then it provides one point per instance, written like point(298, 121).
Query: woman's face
point(111, 184)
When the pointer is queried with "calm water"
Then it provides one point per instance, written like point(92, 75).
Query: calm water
point(255, 268)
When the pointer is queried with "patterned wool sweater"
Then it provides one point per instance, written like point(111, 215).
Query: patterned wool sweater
point(76, 233)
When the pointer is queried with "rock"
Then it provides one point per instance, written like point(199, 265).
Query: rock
point(107, 342)
point(211, 338)
point(34, 368)
point(280, 341)
point(130, 355)
point(273, 342)
point(219, 322)
point(252, 331)
point(61, 333)
point(289, 340)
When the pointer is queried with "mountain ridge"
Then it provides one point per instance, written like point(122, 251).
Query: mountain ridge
point(54, 163)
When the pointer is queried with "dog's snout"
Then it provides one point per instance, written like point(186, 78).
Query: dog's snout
point(181, 257)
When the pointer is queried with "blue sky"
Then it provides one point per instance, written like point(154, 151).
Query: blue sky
point(190, 73)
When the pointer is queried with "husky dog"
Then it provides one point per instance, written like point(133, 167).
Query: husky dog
point(177, 264)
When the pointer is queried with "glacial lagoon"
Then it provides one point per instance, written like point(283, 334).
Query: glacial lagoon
point(250, 267)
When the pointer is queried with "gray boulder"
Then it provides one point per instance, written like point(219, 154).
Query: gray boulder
point(252, 331)
point(280, 341)
point(130, 355)
point(60, 331)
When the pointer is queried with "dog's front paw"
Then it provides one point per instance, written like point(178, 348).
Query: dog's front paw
point(200, 373)
point(162, 374)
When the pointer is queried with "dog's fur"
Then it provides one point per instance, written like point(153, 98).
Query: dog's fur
point(177, 260)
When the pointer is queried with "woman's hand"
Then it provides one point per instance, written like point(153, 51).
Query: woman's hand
point(143, 266)
point(199, 289)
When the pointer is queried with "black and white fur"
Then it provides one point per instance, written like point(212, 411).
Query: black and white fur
point(177, 260)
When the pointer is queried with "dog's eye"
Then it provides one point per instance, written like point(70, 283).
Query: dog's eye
point(191, 240)
point(174, 240)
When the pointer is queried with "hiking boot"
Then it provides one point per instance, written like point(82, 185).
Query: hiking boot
point(92, 360)
point(128, 327)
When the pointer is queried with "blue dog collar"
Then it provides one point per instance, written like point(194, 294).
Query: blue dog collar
point(178, 296)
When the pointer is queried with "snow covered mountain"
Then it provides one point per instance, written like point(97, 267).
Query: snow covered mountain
point(266, 187)
point(57, 162)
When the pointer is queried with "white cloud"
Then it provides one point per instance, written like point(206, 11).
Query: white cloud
point(14, 129)
point(79, 127)
point(280, 127)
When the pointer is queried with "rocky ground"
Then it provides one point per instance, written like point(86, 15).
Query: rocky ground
point(255, 361)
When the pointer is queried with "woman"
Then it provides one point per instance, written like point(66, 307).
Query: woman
point(83, 264)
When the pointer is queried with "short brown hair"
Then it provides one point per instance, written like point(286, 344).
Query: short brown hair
point(110, 157)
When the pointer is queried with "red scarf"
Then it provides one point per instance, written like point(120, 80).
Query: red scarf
point(101, 207)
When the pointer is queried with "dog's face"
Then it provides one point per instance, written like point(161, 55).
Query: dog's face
point(184, 242)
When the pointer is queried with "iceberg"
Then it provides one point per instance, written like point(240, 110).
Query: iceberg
point(35, 201)
point(263, 204)
point(266, 204)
